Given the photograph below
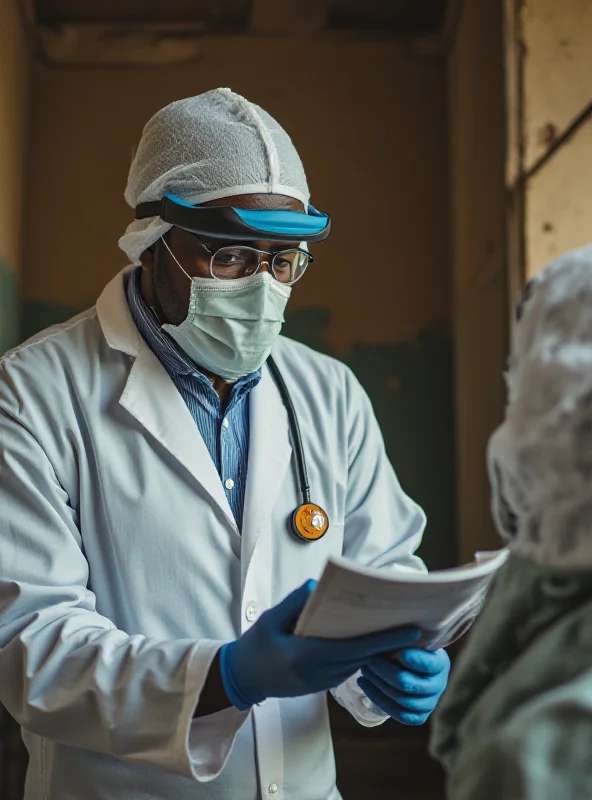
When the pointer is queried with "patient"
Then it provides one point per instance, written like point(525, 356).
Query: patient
point(516, 722)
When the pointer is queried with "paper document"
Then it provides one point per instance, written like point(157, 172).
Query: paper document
point(350, 600)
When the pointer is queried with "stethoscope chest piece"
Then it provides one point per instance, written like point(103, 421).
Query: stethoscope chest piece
point(309, 522)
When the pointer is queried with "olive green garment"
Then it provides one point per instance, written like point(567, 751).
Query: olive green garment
point(516, 720)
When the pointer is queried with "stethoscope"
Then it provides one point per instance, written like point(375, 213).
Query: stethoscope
point(309, 522)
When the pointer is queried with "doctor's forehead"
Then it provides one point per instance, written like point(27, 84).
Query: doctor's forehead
point(260, 202)
point(181, 236)
point(267, 246)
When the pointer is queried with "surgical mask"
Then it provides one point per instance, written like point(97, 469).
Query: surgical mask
point(231, 325)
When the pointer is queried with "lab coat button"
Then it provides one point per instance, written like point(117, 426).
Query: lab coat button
point(225, 422)
point(251, 612)
point(229, 483)
point(272, 788)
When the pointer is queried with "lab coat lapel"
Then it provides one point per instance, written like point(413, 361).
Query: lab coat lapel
point(270, 452)
point(152, 398)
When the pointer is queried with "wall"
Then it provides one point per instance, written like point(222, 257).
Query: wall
point(476, 113)
point(557, 89)
point(370, 124)
point(13, 124)
point(503, 236)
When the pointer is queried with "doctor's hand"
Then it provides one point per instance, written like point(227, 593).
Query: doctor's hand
point(407, 689)
point(269, 661)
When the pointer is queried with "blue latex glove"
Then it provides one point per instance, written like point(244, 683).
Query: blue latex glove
point(269, 661)
point(408, 688)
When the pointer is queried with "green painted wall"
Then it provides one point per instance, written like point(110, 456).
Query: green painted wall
point(411, 387)
point(9, 308)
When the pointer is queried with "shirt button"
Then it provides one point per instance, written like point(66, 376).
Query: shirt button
point(272, 788)
point(225, 422)
point(251, 612)
point(229, 483)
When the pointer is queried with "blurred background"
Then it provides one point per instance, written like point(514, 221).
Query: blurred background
point(450, 141)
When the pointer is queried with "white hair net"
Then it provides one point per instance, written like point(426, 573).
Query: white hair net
point(204, 148)
point(540, 458)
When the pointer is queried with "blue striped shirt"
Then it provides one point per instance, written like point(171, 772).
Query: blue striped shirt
point(226, 434)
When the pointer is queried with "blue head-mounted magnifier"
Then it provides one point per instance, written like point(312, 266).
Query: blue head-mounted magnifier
point(238, 224)
point(309, 521)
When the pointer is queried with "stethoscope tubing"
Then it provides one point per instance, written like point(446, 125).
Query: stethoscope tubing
point(294, 429)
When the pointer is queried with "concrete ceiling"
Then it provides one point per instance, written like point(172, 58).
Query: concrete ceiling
point(402, 17)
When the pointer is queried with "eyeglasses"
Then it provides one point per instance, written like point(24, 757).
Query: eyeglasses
point(240, 261)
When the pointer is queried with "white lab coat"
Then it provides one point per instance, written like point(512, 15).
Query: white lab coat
point(122, 570)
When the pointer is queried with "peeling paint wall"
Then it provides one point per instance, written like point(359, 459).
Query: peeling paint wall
point(476, 113)
point(14, 64)
point(559, 201)
point(557, 90)
point(370, 123)
point(557, 39)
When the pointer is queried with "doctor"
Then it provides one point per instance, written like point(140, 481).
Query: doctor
point(150, 573)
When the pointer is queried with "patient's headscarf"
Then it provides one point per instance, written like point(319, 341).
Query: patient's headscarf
point(540, 458)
